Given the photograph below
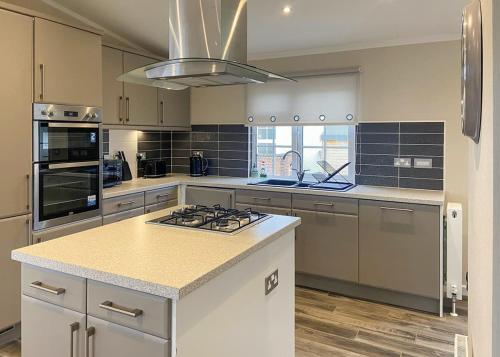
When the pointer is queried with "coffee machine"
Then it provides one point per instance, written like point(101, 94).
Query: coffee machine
point(198, 165)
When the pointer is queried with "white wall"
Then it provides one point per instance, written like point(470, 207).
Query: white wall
point(484, 201)
point(402, 83)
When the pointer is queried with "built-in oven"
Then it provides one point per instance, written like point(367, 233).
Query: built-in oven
point(67, 164)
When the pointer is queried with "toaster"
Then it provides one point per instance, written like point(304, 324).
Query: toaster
point(155, 168)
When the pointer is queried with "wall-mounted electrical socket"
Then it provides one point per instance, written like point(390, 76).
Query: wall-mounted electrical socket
point(141, 156)
point(271, 282)
point(402, 162)
point(422, 163)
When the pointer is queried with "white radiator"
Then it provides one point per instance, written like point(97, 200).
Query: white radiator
point(454, 228)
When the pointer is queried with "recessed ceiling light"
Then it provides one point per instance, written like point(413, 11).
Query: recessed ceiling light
point(287, 10)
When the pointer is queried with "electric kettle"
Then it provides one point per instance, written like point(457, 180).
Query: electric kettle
point(198, 165)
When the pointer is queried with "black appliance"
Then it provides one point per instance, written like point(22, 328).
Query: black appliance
point(67, 164)
point(198, 165)
point(111, 173)
point(155, 168)
point(215, 218)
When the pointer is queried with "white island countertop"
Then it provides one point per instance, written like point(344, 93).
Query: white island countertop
point(164, 261)
point(403, 195)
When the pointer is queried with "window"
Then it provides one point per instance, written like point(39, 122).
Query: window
point(333, 143)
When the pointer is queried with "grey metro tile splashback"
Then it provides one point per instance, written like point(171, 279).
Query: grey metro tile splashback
point(378, 144)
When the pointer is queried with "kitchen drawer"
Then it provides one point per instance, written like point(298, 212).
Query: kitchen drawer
point(118, 305)
point(117, 217)
point(56, 288)
point(65, 230)
point(161, 195)
point(264, 209)
point(122, 203)
point(325, 204)
point(160, 206)
point(264, 198)
point(399, 247)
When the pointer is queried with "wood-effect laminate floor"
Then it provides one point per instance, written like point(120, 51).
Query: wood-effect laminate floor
point(333, 325)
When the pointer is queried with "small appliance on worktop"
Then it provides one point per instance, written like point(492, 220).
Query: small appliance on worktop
point(112, 172)
point(215, 218)
point(66, 164)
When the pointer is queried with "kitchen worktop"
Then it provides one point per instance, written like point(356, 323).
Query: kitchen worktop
point(359, 192)
point(165, 261)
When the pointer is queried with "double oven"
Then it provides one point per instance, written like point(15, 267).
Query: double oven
point(67, 164)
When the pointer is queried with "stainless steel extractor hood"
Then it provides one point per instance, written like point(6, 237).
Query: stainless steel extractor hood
point(207, 47)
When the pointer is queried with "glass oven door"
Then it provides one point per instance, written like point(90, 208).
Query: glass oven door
point(66, 193)
point(65, 142)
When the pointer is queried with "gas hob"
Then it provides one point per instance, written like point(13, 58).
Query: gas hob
point(215, 219)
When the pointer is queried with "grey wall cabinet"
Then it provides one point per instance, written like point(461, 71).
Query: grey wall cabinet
point(50, 330)
point(174, 108)
point(327, 245)
point(399, 247)
point(15, 234)
point(110, 339)
point(16, 94)
point(68, 65)
point(113, 100)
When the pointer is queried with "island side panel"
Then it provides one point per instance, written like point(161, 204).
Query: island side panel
point(231, 315)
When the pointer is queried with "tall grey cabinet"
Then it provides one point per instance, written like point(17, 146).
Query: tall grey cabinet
point(16, 93)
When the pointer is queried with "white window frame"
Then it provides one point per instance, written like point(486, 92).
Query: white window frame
point(297, 144)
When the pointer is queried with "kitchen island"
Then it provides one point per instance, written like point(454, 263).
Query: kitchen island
point(132, 288)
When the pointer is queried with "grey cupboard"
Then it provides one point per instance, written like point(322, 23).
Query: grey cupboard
point(68, 65)
point(399, 247)
point(174, 108)
point(16, 95)
point(264, 209)
point(52, 330)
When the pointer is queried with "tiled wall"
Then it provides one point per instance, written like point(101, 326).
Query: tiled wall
point(105, 142)
point(225, 147)
point(378, 144)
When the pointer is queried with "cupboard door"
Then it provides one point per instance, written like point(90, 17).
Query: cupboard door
point(399, 247)
point(16, 93)
point(174, 107)
point(113, 102)
point(68, 65)
point(140, 100)
point(50, 330)
point(110, 339)
point(327, 245)
point(264, 209)
point(15, 234)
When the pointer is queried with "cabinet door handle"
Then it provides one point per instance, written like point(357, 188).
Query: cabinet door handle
point(42, 81)
point(47, 288)
point(324, 204)
point(108, 305)
point(162, 111)
point(120, 108)
point(407, 210)
point(88, 334)
point(28, 232)
point(165, 195)
point(126, 203)
point(28, 191)
point(75, 326)
point(127, 109)
point(261, 198)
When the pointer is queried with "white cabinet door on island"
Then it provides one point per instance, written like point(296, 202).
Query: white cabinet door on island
point(166, 292)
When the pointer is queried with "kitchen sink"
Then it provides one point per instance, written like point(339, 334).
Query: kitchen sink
point(329, 186)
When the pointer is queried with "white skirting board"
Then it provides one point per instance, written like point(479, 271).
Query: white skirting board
point(231, 315)
point(462, 348)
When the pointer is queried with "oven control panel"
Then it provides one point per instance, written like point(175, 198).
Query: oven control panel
point(57, 112)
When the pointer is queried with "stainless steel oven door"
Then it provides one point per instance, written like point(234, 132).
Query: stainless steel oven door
point(65, 142)
point(66, 192)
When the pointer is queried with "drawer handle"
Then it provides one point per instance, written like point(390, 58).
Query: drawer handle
point(165, 195)
point(75, 326)
point(324, 204)
point(262, 198)
point(126, 203)
point(48, 289)
point(108, 305)
point(397, 209)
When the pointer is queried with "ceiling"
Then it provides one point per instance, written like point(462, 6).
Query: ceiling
point(313, 26)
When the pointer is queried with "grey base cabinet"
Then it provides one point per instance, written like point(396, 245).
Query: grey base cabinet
point(50, 330)
point(109, 339)
point(327, 245)
point(399, 247)
point(264, 209)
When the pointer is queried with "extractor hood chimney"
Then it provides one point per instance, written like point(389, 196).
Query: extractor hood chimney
point(207, 47)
